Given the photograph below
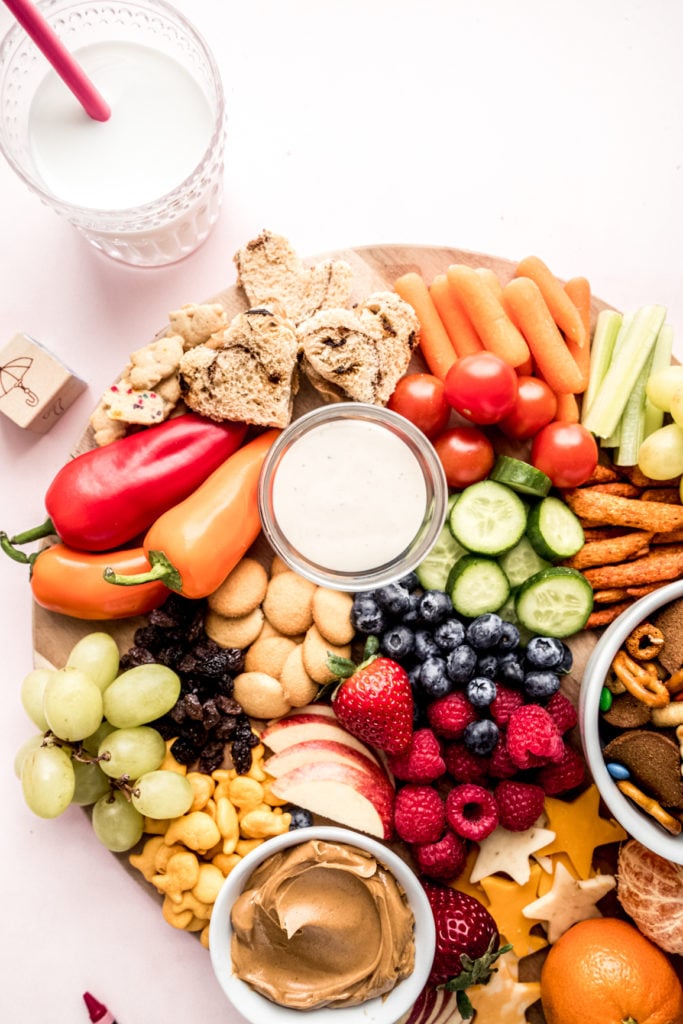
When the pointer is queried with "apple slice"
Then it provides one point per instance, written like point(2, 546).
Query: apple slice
point(422, 1007)
point(301, 728)
point(342, 793)
point(311, 751)
point(445, 1007)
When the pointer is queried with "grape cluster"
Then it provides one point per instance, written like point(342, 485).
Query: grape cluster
point(443, 652)
point(205, 716)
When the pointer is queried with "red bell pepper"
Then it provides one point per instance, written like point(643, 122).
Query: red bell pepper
point(106, 497)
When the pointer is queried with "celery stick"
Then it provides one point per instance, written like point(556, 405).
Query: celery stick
point(606, 330)
point(617, 384)
point(615, 437)
point(653, 418)
point(632, 422)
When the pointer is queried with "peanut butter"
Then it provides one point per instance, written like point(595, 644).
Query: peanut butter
point(322, 924)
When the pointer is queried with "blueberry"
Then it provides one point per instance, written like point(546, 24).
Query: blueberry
point(433, 679)
point(480, 691)
point(544, 652)
point(411, 617)
point(449, 634)
point(300, 818)
point(367, 616)
point(509, 637)
point(541, 685)
point(409, 582)
point(397, 642)
point(487, 665)
point(567, 661)
point(510, 669)
point(461, 663)
point(434, 606)
point(480, 737)
point(425, 646)
point(393, 598)
point(485, 631)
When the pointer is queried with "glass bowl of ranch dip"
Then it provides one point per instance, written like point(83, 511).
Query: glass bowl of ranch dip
point(324, 923)
point(352, 496)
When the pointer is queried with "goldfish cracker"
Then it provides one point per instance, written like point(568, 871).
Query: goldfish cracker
point(199, 909)
point(177, 917)
point(227, 861)
point(210, 808)
point(203, 787)
point(260, 824)
point(245, 846)
point(245, 792)
point(204, 936)
point(169, 763)
point(256, 771)
point(155, 826)
point(181, 874)
point(163, 854)
point(270, 798)
point(196, 830)
point(228, 824)
point(208, 884)
point(144, 861)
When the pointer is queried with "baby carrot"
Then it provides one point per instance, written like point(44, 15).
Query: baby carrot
point(435, 344)
point(563, 310)
point(490, 276)
point(464, 338)
point(567, 408)
point(526, 307)
point(579, 291)
point(490, 320)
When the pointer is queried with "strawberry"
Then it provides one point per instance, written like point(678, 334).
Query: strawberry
point(375, 700)
point(466, 942)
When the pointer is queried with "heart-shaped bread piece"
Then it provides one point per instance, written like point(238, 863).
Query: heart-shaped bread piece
point(269, 270)
point(247, 372)
point(359, 354)
point(654, 762)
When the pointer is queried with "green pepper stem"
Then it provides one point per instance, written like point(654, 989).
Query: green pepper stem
point(45, 529)
point(9, 549)
point(162, 569)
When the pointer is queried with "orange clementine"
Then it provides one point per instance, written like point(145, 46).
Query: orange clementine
point(604, 971)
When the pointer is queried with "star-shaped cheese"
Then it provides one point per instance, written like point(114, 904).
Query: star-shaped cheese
point(509, 852)
point(504, 999)
point(579, 828)
point(507, 901)
point(570, 900)
point(547, 878)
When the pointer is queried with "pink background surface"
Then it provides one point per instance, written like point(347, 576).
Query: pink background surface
point(504, 128)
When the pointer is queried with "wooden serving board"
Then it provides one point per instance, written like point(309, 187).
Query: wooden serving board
point(375, 268)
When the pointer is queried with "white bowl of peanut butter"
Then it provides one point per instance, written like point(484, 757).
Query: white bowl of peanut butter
point(322, 923)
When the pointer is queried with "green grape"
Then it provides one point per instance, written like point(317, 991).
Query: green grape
point(48, 781)
point(91, 783)
point(660, 456)
point(140, 695)
point(32, 691)
point(163, 794)
point(132, 752)
point(117, 824)
point(98, 656)
point(661, 385)
point(676, 406)
point(92, 743)
point(29, 745)
point(72, 704)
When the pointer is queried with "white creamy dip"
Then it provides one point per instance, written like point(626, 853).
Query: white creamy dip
point(349, 495)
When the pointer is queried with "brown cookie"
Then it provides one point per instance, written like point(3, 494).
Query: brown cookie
point(654, 761)
point(627, 712)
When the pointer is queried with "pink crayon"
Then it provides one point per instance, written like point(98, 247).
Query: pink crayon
point(98, 1012)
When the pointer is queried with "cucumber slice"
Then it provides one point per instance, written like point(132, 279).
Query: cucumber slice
point(508, 614)
point(477, 585)
point(432, 572)
point(488, 519)
point(554, 530)
point(520, 476)
point(554, 602)
point(521, 562)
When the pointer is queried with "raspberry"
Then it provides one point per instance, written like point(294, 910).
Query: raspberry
point(562, 711)
point(519, 804)
point(422, 761)
point(501, 765)
point(419, 814)
point(504, 703)
point(449, 715)
point(471, 811)
point(464, 766)
point(532, 738)
point(443, 860)
point(564, 775)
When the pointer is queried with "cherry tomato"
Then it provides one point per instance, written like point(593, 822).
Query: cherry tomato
point(420, 398)
point(566, 452)
point(481, 387)
point(534, 407)
point(466, 455)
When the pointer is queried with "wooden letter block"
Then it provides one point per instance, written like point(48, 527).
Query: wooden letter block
point(35, 388)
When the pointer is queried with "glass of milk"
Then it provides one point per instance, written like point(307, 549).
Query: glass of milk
point(352, 496)
point(144, 187)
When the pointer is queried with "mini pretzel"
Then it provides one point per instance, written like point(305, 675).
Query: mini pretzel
point(651, 807)
point(674, 683)
point(645, 642)
point(641, 684)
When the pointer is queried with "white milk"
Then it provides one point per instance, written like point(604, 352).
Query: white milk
point(159, 129)
point(349, 495)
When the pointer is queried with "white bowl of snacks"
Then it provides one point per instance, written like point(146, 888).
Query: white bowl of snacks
point(352, 496)
point(324, 923)
point(632, 725)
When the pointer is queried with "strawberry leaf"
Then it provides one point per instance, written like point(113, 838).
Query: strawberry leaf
point(474, 972)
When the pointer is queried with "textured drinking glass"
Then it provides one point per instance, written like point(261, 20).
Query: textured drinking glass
point(170, 225)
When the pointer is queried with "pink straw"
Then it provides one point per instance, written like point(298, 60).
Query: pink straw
point(66, 67)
